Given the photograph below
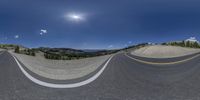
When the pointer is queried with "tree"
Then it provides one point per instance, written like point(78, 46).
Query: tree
point(196, 45)
point(182, 44)
point(17, 49)
point(33, 53)
point(188, 44)
point(164, 44)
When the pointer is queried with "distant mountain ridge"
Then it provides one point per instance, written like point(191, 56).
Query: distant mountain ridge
point(61, 50)
point(93, 50)
point(69, 53)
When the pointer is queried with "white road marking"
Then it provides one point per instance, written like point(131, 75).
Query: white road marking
point(52, 85)
point(167, 63)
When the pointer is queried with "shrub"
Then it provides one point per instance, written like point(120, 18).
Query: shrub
point(32, 53)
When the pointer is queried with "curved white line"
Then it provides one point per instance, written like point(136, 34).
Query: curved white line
point(162, 63)
point(52, 85)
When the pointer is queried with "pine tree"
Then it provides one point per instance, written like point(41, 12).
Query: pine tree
point(196, 45)
point(17, 49)
point(188, 44)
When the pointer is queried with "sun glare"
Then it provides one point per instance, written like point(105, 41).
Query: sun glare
point(75, 17)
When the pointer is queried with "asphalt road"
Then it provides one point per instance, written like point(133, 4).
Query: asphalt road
point(123, 79)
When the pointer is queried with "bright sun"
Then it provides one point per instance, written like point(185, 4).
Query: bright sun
point(75, 17)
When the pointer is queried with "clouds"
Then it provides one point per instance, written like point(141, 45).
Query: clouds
point(192, 39)
point(100, 23)
point(43, 31)
point(16, 36)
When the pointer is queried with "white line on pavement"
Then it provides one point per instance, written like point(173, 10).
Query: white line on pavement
point(162, 63)
point(72, 85)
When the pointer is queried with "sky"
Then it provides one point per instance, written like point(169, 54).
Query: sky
point(97, 24)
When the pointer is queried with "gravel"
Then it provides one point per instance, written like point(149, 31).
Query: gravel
point(1, 49)
point(160, 51)
point(61, 69)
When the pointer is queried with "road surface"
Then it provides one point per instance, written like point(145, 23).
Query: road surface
point(123, 79)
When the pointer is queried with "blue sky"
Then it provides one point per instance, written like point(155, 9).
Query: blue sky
point(97, 24)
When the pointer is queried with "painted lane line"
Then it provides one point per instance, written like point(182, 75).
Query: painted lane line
point(167, 63)
point(52, 85)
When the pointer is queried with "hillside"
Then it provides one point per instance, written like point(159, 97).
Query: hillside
point(160, 51)
point(69, 53)
point(11, 46)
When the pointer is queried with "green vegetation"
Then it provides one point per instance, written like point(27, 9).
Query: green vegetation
point(30, 52)
point(70, 54)
point(135, 46)
point(17, 49)
point(8, 46)
point(61, 53)
point(184, 44)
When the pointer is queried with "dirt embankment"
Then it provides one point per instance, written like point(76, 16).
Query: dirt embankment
point(160, 51)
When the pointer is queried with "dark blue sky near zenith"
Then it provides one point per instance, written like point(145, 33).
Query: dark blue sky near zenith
point(97, 24)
